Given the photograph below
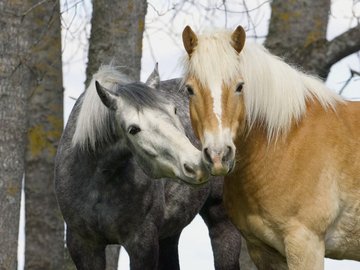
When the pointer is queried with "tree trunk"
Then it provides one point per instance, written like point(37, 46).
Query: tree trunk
point(44, 227)
point(295, 28)
point(116, 35)
point(297, 32)
point(14, 82)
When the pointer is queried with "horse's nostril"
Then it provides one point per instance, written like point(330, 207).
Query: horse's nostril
point(207, 155)
point(188, 169)
point(227, 154)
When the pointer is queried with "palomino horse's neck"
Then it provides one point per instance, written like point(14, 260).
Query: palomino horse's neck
point(277, 93)
point(257, 156)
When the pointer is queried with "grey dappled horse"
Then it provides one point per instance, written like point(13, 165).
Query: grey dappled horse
point(120, 136)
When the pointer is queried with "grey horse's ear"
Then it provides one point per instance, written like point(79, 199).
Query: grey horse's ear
point(107, 97)
point(154, 79)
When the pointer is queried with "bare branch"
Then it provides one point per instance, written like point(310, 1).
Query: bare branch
point(33, 7)
point(343, 45)
point(353, 73)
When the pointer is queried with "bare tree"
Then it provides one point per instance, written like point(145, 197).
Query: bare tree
point(14, 82)
point(297, 32)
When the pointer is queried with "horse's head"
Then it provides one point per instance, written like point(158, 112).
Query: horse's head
point(152, 131)
point(215, 86)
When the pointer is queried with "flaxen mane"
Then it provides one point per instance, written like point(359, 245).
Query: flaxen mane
point(275, 94)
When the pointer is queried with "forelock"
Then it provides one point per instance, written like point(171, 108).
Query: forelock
point(141, 96)
point(214, 59)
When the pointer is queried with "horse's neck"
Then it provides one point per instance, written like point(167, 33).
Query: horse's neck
point(115, 154)
point(258, 157)
point(119, 168)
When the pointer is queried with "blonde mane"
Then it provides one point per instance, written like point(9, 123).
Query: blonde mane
point(275, 94)
point(92, 124)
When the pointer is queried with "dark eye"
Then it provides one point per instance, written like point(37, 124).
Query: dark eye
point(134, 129)
point(239, 87)
point(190, 90)
point(175, 110)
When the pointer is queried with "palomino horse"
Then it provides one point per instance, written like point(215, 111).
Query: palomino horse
point(119, 137)
point(295, 190)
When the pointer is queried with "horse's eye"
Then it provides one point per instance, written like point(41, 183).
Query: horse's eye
point(133, 130)
point(190, 90)
point(175, 110)
point(239, 87)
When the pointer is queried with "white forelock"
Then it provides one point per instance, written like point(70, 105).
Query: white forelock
point(91, 124)
point(275, 94)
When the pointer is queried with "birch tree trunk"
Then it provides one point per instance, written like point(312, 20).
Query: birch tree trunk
point(14, 82)
point(44, 227)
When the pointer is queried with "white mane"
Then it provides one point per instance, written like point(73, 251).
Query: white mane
point(275, 94)
point(92, 122)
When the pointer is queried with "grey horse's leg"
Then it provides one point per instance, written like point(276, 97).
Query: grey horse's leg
point(168, 253)
point(86, 255)
point(144, 249)
point(225, 238)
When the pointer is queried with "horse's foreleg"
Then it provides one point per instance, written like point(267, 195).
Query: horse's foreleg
point(144, 249)
point(304, 250)
point(265, 257)
point(168, 253)
point(85, 254)
point(225, 238)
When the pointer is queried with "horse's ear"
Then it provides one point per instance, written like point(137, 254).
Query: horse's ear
point(189, 39)
point(154, 79)
point(238, 38)
point(107, 97)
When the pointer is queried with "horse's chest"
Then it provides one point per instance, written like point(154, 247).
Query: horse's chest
point(245, 212)
point(114, 210)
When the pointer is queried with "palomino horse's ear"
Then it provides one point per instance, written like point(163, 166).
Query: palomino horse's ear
point(189, 39)
point(154, 79)
point(107, 97)
point(238, 38)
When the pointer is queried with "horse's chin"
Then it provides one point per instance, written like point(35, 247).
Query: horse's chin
point(193, 183)
point(221, 170)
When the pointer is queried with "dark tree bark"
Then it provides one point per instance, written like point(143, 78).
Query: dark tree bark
point(14, 82)
point(44, 227)
point(295, 25)
point(116, 34)
point(297, 32)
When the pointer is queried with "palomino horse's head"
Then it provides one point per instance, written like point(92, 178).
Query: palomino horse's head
point(215, 86)
point(151, 129)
